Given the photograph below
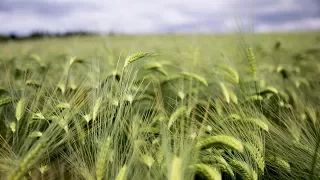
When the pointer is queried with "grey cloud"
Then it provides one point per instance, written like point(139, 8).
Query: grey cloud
point(44, 8)
point(154, 16)
point(278, 18)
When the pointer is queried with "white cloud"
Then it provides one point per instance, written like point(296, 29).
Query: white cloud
point(154, 16)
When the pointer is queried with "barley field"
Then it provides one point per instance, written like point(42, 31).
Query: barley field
point(157, 107)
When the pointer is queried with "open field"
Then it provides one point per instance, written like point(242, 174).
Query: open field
point(161, 107)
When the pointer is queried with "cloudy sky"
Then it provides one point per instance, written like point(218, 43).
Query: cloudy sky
point(158, 16)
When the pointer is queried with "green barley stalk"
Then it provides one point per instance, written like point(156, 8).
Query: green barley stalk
point(233, 74)
point(225, 92)
point(72, 61)
point(36, 58)
point(3, 90)
point(122, 173)
point(233, 97)
point(33, 83)
point(35, 134)
point(209, 172)
point(176, 168)
point(147, 160)
point(227, 141)
point(282, 163)
point(153, 65)
point(134, 57)
point(5, 100)
point(254, 121)
point(96, 108)
point(63, 105)
point(26, 164)
point(258, 122)
point(20, 108)
point(256, 154)
point(156, 67)
point(80, 132)
point(219, 161)
point(252, 63)
point(196, 77)
point(13, 127)
point(246, 172)
point(180, 111)
point(102, 156)
point(162, 71)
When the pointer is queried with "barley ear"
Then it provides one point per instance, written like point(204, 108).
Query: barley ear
point(20, 108)
point(147, 160)
point(246, 172)
point(13, 127)
point(254, 121)
point(225, 92)
point(5, 100)
point(196, 77)
point(103, 152)
point(33, 83)
point(252, 62)
point(209, 172)
point(233, 75)
point(122, 173)
point(176, 115)
point(257, 155)
point(176, 168)
point(223, 140)
point(74, 60)
point(134, 57)
point(218, 161)
point(35, 134)
point(281, 163)
point(96, 108)
point(26, 162)
point(63, 106)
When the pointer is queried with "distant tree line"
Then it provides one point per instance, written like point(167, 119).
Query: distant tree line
point(43, 34)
